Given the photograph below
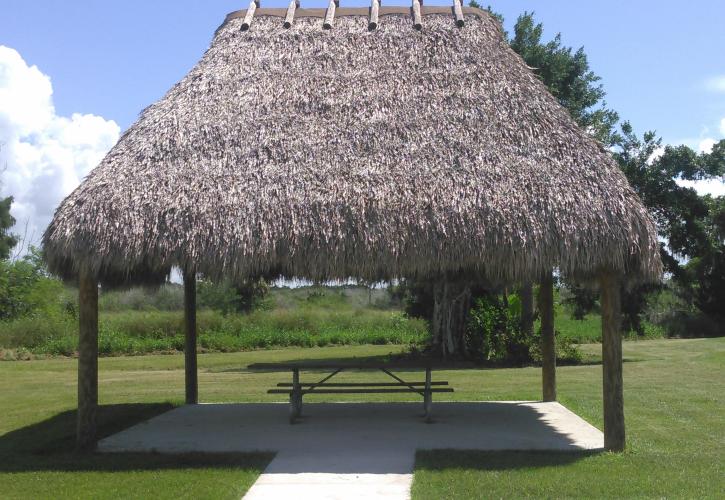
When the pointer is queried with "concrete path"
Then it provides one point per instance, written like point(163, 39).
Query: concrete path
point(354, 450)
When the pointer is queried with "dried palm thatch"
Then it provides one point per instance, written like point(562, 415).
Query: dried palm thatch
point(349, 152)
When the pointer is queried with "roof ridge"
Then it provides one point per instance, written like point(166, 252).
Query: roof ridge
point(320, 13)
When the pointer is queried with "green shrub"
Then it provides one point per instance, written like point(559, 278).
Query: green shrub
point(229, 296)
point(494, 335)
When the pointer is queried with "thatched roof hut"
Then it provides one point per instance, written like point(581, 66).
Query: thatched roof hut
point(422, 147)
point(354, 153)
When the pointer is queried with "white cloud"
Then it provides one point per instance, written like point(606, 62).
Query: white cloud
point(713, 187)
point(44, 155)
point(656, 154)
point(705, 145)
point(715, 84)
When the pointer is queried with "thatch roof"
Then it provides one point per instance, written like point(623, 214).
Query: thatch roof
point(354, 153)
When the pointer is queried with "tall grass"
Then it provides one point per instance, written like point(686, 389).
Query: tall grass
point(140, 321)
point(138, 332)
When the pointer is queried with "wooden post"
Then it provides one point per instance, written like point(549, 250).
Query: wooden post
point(613, 387)
point(253, 5)
point(417, 20)
point(190, 371)
point(87, 361)
point(458, 12)
point(548, 340)
point(428, 395)
point(374, 9)
point(295, 397)
point(330, 14)
point(290, 17)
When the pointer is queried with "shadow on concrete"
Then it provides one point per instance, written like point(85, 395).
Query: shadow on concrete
point(49, 446)
point(57, 433)
point(359, 438)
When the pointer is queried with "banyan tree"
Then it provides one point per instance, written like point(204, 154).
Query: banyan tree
point(369, 143)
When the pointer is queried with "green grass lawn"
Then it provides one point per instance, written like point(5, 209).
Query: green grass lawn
point(674, 402)
point(674, 406)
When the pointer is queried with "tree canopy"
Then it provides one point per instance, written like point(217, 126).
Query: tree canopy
point(7, 221)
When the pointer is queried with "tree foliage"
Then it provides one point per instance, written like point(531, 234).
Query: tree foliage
point(682, 216)
point(230, 297)
point(26, 288)
point(7, 221)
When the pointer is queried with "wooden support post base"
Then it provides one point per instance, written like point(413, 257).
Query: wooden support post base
point(190, 368)
point(548, 339)
point(87, 362)
point(428, 397)
point(613, 386)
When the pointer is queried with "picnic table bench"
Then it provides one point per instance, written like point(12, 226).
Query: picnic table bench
point(297, 390)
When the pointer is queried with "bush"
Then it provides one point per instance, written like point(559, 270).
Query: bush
point(228, 296)
point(494, 335)
point(26, 289)
point(168, 297)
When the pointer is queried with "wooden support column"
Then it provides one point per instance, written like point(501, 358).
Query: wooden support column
point(613, 387)
point(548, 340)
point(87, 361)
point(374, 9)
point(458, 13)
point(417, 19)
point(190, 370)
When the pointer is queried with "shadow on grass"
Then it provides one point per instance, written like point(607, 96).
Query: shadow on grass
point(49, 446)
point(399, 363)
point(441, 460)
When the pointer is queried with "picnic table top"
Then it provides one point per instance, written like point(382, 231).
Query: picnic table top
point(344, 365)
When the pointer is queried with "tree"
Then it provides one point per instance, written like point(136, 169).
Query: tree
point(229, 296)
point(679, 212)
point(7, 240)
point(26, 288)
point(692, 226)
point(704, 274)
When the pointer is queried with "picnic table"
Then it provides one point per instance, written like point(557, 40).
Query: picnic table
point(297, 390)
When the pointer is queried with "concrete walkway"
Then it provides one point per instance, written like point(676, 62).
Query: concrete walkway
point(354, 450)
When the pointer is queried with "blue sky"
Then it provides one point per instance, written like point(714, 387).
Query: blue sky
point(74, 74)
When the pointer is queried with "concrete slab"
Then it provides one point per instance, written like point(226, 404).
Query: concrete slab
point(332, 428)
point(354, 450)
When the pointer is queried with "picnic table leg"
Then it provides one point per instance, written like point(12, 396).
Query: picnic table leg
point(427, 396)
point(295, 397)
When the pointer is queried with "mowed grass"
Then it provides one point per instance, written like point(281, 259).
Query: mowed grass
point(673, 400)
point(674, 406)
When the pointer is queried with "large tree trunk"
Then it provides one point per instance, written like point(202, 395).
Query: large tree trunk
point(452, 302)
point(527, 309)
